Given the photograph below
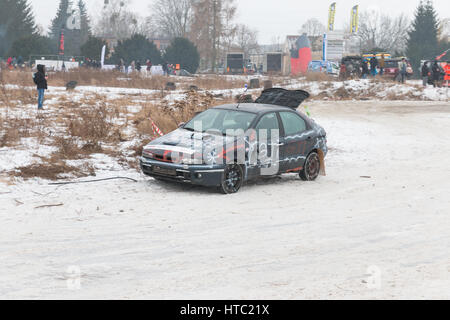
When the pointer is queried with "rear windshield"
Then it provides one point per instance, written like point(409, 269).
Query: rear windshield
point(391, 64)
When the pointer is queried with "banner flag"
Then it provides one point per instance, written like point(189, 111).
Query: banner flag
point(61, 43)
point(103, 55)
point(331, 16)
point(354, 25)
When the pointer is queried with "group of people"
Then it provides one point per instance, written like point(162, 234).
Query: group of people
point(15, 62)
point(90, 63)
point(368, 67)
point(432, 73)
point(371, 68)
point(133, 66)
point(137, 66)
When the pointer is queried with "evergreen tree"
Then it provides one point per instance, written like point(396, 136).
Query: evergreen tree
point(73, 19)
point(184, 52)
point(31, 45)
point(92, 48)
point(16, 21)
point(138, 47)
point(423, 37)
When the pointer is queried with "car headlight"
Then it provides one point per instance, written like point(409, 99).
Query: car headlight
point(147, 154)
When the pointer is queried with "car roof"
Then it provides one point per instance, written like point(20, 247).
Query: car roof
point(256, 108)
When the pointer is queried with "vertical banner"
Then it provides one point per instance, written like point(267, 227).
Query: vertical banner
point(325, 47)
point(331, 16)
point(103, 56)
point(61, 43)
point(354, 24)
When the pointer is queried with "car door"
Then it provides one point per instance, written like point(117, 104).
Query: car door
point(296, 142)
point(267, 153)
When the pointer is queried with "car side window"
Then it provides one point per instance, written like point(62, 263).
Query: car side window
point(268, 122)
point(292, 123)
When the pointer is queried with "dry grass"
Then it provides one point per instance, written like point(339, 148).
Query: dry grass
point(167, 117)
point(217, 83)
point(318, 76)
point(53, 169)
point(89, 77)
point(93, 124)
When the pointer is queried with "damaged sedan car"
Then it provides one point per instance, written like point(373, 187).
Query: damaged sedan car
point(227, 145)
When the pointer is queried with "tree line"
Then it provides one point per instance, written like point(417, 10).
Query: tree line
point(203, 28)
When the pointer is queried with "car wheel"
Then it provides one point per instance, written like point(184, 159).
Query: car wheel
point(232, 180)
point(311, 169)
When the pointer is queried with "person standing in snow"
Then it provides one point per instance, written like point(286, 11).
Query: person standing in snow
point(373, 66)
point(382, 64)
point(9, 63)
point(425, 74)
point(40, 79)
point(165, 68)
point(365, 69)
point(343, 72)
point(436, 74)
point(403, 69)
point(138, 66)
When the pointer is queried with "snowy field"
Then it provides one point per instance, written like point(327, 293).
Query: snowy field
point(377, 226)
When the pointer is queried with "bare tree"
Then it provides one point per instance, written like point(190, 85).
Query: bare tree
point(211, 28)
point(172, 18)
point(246, 39)
point(380, 31)
point(313, 28)
point(117, 21)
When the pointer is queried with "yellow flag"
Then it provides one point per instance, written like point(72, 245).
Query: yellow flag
point(331, 16)
point(354, 25)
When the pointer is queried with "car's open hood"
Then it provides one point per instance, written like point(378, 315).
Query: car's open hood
point(283, 97)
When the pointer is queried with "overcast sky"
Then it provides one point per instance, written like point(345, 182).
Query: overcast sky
point(272, 18)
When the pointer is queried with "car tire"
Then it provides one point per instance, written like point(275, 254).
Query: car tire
point(311, 170)
point(232, 180)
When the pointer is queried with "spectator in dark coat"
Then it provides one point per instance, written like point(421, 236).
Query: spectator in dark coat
point(425, 74)
point(165, 68)
point(40, 79)
point(373, 66)
point(138, 66)
point(436, 74)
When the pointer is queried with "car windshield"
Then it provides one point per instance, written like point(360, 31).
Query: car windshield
point(220, 120)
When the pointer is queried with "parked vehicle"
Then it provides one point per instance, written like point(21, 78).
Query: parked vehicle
point(230, 144)
point(235, 63)
point(392, 69)
point(328, 67)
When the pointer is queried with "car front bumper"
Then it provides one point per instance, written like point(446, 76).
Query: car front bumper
point(204, 175)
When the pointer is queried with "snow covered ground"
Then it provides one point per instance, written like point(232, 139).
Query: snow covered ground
point(377, 226)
